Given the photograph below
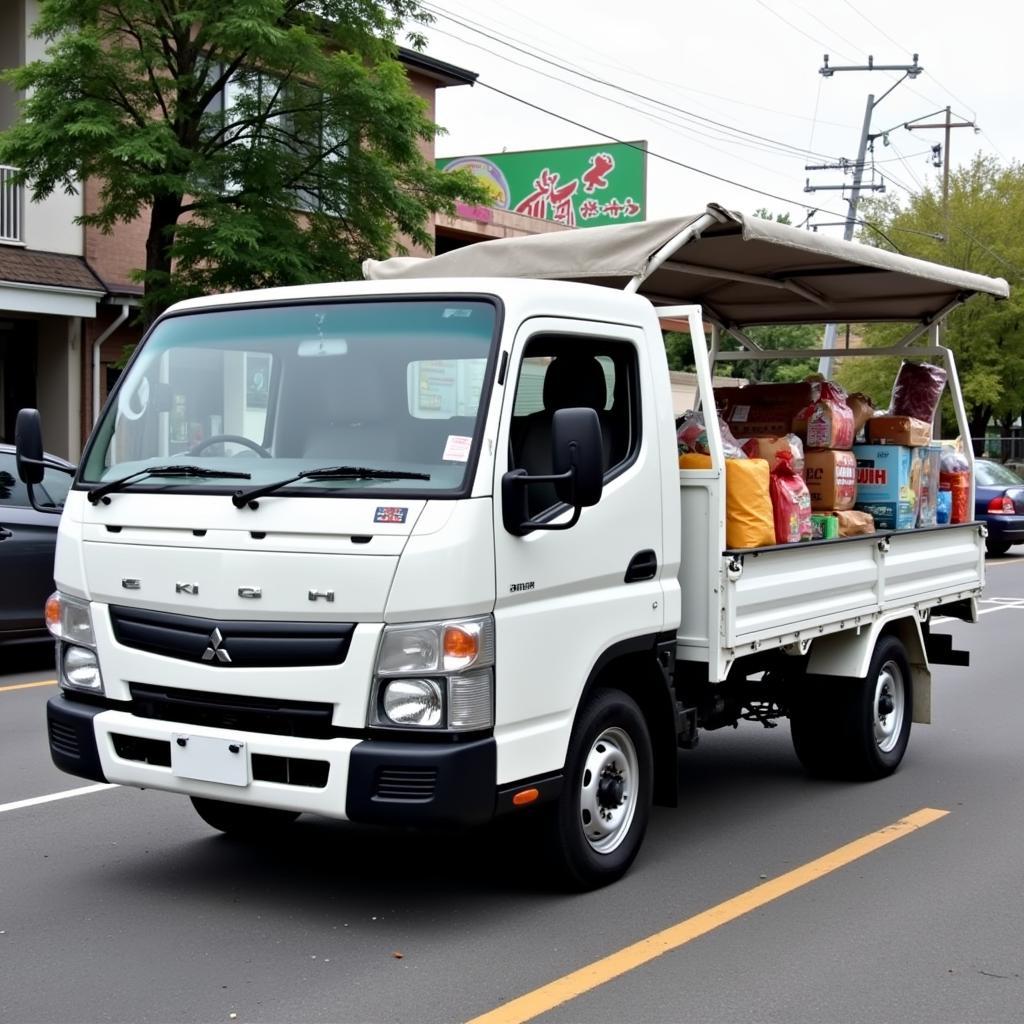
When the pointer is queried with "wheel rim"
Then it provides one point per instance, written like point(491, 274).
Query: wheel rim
point(608, 790)
point(889, 706)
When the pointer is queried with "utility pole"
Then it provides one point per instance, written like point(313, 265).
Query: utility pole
point(948, 124)
point(827, 71)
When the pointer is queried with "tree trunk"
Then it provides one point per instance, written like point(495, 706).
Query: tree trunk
point(162, 221)
point(977, 420)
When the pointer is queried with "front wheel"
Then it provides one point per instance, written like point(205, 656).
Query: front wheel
point(856, 728)
point(599, 821)
point(242, 820)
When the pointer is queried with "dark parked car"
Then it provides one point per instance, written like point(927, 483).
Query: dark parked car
point(999, 502)
point(27, 542)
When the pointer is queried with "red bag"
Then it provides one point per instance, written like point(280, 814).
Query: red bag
point(917, 390)
point(791, 502)
point(829, 419)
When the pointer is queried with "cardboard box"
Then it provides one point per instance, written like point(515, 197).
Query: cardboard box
point(904, 430)
point(832, 479)
point(763, 410)
point(885, 486)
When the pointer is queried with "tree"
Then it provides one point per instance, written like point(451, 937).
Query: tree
point(266, 141)
point(984, 233)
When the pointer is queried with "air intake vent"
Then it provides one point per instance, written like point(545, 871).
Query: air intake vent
point(64, 739)
point(406, 784)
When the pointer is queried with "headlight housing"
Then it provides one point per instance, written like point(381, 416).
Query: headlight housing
point(435, 675)
point(69, 620)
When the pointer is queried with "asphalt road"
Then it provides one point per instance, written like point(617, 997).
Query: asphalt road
point(121, 905)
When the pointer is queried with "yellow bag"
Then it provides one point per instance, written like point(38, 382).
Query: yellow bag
point(748, 505)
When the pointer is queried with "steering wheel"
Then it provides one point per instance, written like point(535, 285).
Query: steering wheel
point(233, 438)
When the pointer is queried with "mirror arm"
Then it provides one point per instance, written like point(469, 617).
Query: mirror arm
point(49, 465)
point(520, 479)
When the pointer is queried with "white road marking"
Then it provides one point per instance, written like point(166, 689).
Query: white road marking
point(1000, 604)
point(63, 795)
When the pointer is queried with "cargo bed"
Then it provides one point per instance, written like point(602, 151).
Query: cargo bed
point(763, 598)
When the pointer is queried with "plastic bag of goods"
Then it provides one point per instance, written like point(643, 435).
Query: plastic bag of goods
point(917, 390)
point(829, 419)
point(853, 523)
point(863, 408)
point(749, 522)
point(770, 448)
point(791, 502)
point(692, 437)
point(958, 484)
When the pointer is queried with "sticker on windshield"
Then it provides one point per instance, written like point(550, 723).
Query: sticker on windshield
point(457, 448)
point(390, 514)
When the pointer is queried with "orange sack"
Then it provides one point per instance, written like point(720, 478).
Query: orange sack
point(749, 520)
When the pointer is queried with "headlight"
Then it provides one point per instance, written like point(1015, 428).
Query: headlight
point(457, 660)
point(80, 670)
point(413, 702)
point(68, 618)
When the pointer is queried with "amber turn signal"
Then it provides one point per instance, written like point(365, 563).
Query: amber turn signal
point(52, 614)
point(460, 643)
point(525, 796)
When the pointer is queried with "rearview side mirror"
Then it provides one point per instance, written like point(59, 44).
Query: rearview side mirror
point(28, 446)
point(29, 459)
point(577, 458)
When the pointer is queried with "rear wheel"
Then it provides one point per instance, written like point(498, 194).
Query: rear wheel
point(856, 728)
point(996, 548)
point(598, 823)
point(242, 820)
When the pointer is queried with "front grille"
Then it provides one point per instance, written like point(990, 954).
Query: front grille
point(291, 771)
point(138, 748)
point(405, 784)
point(227, 711)
point(232, 644)
point(64, 739)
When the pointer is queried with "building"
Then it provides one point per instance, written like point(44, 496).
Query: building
point(67, 300)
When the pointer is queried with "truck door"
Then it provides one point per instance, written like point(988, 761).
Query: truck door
point(563, 599)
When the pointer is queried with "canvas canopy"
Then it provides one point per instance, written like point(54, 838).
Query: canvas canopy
point(742, 270)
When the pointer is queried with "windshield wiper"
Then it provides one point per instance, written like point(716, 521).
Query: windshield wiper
point(97, 494)
point(242, 498)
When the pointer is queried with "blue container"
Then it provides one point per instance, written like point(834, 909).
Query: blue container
point(945, 507)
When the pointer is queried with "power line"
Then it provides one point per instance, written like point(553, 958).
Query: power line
point(660, 119)
point(631, 92)
point(605, 62)
point(878, 28)
point(652, 153)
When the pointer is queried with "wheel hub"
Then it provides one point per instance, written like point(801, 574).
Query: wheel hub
point(606, 797)
point(611, 789)
point(890, 706)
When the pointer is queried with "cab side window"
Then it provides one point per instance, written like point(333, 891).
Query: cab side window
point(564, 372)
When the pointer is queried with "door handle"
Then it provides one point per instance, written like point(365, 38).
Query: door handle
point(5, 533)
point(642, 566)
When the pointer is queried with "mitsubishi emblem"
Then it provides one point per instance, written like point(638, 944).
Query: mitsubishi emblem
point(214, 650)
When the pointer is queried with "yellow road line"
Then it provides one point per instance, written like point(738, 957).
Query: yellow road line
point(547, 997)
point(28, 686)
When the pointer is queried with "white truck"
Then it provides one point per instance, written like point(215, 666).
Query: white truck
point(417, 550)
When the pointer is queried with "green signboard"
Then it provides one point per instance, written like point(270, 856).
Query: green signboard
point(579, 186)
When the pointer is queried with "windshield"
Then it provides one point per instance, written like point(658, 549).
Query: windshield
point(277, 390)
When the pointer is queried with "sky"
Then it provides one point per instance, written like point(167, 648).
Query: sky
point(752, 66)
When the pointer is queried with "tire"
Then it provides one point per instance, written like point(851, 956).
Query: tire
point(996, 548)
point(242, 820)
point(856, 728)
point(598, 823)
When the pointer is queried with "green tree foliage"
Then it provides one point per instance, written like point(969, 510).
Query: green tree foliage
point(266, 141)
point(984, 233)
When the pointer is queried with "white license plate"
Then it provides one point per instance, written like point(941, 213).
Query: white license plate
point(210, 759)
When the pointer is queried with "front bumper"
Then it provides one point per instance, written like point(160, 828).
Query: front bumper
point(372, 781)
